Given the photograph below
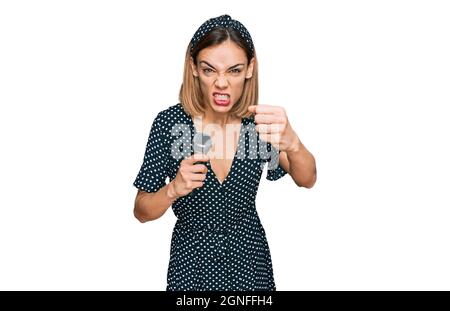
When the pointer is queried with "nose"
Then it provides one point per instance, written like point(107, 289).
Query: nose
point(221, 81)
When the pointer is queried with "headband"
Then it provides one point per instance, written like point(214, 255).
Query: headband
point(221, 21)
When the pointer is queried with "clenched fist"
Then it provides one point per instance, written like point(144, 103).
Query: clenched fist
point(273, 126)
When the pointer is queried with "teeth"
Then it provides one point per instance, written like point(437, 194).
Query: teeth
point(222, 97)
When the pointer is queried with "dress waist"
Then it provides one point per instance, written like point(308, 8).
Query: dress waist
point(208, 227)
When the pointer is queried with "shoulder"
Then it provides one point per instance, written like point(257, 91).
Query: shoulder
point(249, 126)
point(174, 111)
point(167, 118)
point(249, 121)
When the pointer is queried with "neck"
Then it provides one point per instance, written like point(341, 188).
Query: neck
point(221, 119)
point(203, 122)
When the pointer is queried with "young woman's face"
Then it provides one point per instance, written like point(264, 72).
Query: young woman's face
point(222, 70)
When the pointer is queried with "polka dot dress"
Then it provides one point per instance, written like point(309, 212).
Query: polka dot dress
point(218, 242)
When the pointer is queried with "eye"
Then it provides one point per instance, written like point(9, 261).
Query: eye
point(235, 70)
point(207, 70)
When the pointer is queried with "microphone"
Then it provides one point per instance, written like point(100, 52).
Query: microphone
point(202, 143)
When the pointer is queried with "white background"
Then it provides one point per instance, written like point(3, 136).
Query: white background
point(365, 85)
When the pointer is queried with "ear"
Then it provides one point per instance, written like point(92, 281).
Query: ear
point(249, 73)
point(193, 67)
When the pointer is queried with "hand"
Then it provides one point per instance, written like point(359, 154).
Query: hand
point(189, 176)
point(273, 126)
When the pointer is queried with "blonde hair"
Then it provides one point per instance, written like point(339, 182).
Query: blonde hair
point(191, 97)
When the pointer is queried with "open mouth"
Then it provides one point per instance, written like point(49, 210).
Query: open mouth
point(221, 99)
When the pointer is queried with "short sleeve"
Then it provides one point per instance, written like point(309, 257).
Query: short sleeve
point(274, 169)
point(153, 172)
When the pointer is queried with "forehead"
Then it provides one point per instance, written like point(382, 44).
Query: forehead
point(224, 54)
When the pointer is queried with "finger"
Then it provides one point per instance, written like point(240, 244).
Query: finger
point(265, 118)
point(197, 184)
point(199, 168)
point(196, 157)
point(263, 109)
point(271, 128)
point(252, 108)
point(194, 184)
point(270, 138)
point(194, 177)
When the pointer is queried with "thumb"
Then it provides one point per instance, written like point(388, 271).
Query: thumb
point(252, 108)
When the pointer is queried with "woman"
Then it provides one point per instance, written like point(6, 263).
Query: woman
point(218, 242)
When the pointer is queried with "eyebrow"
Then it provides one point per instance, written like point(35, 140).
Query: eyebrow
point(202, 61)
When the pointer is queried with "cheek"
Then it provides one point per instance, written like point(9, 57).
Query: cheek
point(237, 87)
point(205, 85)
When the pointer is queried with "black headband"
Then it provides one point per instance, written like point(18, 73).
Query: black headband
point(221, 21)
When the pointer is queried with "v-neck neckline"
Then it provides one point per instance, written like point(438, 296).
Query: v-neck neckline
point(221, 184)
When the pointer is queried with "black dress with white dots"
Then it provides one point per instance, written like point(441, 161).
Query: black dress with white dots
point(218, 242)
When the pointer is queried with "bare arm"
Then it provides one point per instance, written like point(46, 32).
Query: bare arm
point(152, 205)
point(300, 164)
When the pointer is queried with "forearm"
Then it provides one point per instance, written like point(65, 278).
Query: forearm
point(152, 205)
point(302, 165)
